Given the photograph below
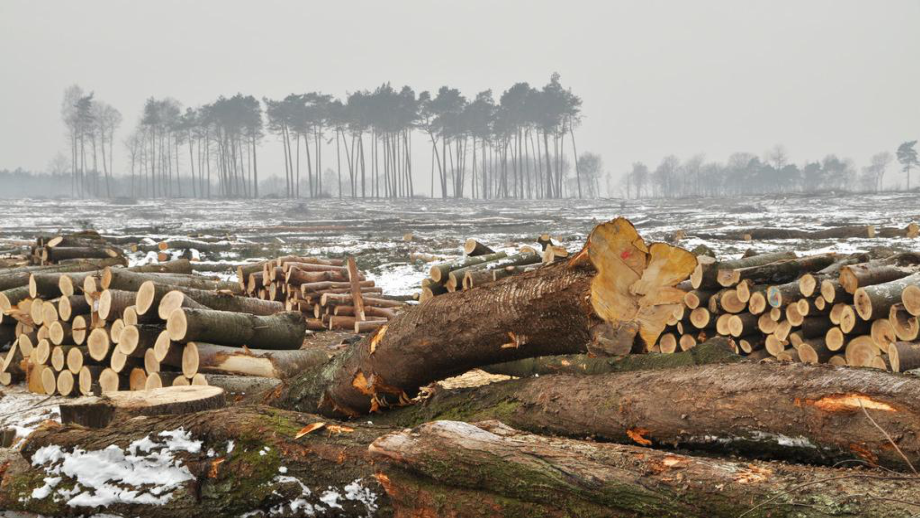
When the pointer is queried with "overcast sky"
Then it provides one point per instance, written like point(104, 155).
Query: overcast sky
point(656, 77)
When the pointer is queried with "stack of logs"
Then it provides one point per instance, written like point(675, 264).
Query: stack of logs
point(329, 293)
point(827, 308)
point(89, 328)
point(85, 245)
point(482, 265)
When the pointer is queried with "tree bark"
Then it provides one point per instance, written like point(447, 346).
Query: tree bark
point(715, 350)
point(220, 359)
point(450, 468)
point(705, 274)
point(814, 413)
point(875, 301)
point(280, 331)
point(122, 279)
point(776, 272)
point(615, 295)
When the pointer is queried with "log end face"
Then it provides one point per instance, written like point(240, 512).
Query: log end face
point(177, 324)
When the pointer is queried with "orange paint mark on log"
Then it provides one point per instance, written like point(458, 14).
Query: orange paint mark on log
point(847, 403)
point(637, 434)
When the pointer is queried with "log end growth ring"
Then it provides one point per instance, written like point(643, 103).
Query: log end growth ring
point(634, 289)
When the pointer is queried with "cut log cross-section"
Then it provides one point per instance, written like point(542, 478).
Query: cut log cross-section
point(615, 295)
point(876, 301)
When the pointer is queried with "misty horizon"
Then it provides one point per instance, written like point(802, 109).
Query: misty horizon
point(655, 80)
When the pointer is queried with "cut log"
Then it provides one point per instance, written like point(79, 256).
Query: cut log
point(910, 297)
point(44, 285)
point(861, 351)
point(882, 333)
point(726, 301)
point(721, 407)
point(254, 362)
point(439, 272)
point(62, 253)
point(702, 319)
point(715, 350)
point(904, 356)
point(758, 303)
point(832, 291)
point(743, 324)
point(697, 298)
point(869, 274)
point(71, 306)
point(782, 295)
point(98, 344)
point(79, 329)
point(615, 295)
point(906, 327)
point(175, 300)
point(112, 303)
point(473, 248)
point(705, 274)
point(490, 462)
point(455, 277)
point(875, 301)
point(88, 380)
point(117, 406)
point(65, 383)
point(134, 340)
point(151, 294)
point(667, 344)
point(775, 272)
point(280, 331)
point(123, 279)
point(137, 379)
point(11, 297)
point(355, 285)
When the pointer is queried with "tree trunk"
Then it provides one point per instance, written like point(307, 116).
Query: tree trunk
point(123, 279)
point(615, 293)
point(450, 468)
point(280, 331)
point(254, 362)
point(775, 272)
point(875, 301)
point(705, 275)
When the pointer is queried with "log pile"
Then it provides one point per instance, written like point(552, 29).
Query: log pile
point(331, 294)
point(828, 308)
point(78, 246)
point(86, 328)
point(481, 265)
point(849, 439)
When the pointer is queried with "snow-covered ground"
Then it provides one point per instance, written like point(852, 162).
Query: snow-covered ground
point(376, 231)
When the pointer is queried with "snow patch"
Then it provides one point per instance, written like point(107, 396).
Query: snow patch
point(144, 473)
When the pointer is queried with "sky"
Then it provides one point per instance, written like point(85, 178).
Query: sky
point(656, 77)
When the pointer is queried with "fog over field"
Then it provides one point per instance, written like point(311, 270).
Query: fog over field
point(697, 80)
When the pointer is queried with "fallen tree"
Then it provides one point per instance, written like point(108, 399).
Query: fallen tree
point(613, 297)
point(449, 468)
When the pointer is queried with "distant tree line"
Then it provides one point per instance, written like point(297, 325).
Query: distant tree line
point(89, 122)
point(516, 147)
point(746, 173)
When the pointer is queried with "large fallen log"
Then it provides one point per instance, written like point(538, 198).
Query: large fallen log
point(614, 296)
point(815, 413)
point(715, 350)
point(225, 462)
point(449, 468)
point(705, 274)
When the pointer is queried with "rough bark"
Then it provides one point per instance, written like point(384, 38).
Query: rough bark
point(615, 295)
point(869, 274)
point(229, 483)
point(875, 301)
point(715, 350)
point(254, 362)
point(706, 272)
point(776, 272)
point(450, 468)
point(814, 412)
point(280, 331)
point(123, 279)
